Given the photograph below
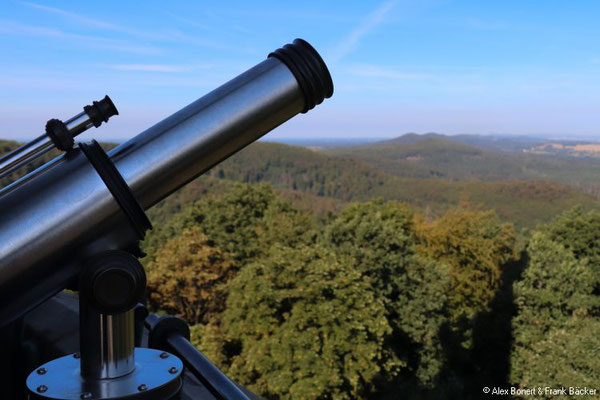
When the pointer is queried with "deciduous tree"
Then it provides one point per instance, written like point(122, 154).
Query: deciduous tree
point(186, 276)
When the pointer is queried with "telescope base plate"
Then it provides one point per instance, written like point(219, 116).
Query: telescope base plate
point(157, 375)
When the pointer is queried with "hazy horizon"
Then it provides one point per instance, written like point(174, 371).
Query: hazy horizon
point(331, 141)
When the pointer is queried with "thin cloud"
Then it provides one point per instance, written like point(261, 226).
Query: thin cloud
point(376, 71)
point(174, 36)
point(150, 67)
point(351, 42)
point(189, 21)
point(14, 28)
point(180, 37)
point(91, 22)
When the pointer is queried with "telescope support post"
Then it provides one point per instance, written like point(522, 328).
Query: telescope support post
point(110, 366)
point(106, 343)
point(110, 287)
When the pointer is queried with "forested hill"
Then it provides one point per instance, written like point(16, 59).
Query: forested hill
point(436, 157)
point(512, 144)
point(324, 182)
point(525, 202)
point(475, 158)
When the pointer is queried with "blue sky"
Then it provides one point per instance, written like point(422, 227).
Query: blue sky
point(486, 67)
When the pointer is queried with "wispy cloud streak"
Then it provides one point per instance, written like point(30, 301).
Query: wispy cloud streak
point(349, 43)
point(376, 71)
point(189, 21)
point(10, 27)
point(150, 67)
point(172, 36)
point(91, 22)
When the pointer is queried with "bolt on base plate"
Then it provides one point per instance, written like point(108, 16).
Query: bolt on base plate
point(157, 376)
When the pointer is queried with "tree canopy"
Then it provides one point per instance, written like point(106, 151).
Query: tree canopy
point(306, 326)
point(379, 298)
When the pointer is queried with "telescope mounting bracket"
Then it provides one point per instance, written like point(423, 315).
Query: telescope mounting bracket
point(108, 365)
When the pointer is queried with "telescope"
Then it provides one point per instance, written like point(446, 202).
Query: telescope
point(76, 222)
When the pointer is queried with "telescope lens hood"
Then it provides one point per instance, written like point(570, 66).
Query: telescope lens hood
point(309, 69)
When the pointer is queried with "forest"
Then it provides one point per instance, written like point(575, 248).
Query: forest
point(319, 275)
point(377, 299)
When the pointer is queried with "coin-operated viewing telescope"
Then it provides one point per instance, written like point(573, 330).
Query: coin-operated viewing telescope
point(76, 223)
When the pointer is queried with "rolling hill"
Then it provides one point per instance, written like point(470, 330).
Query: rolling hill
point(449, 157)
point(347, 178)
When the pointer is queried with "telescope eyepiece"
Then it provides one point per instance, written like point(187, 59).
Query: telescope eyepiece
point(101, 111)
point(309, 69)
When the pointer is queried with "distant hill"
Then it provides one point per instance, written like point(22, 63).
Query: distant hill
point(512, 144)
point(407, 139)
point(450, 157)
point(436, 156)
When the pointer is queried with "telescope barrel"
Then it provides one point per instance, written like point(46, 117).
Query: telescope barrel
point(52, 222)
point(189, 142)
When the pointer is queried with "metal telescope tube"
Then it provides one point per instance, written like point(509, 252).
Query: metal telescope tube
point(25, 154)
point(52, 222)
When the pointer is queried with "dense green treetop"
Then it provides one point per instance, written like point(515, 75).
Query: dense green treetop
point(379, 237)
point(579, 232)
point(307, 326)
point(242, 222)
point(557, 312)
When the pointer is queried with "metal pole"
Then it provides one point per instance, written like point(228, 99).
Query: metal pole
point(215, 381)
point(25, 154)
point(107, 343)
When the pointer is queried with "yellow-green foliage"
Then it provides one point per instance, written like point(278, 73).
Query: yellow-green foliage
point(475, 245)
point(186, 275)
point(347, 310)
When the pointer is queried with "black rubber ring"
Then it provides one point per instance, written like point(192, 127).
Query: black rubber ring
point(60, 135)
point(309, 69)
point(117, 187)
